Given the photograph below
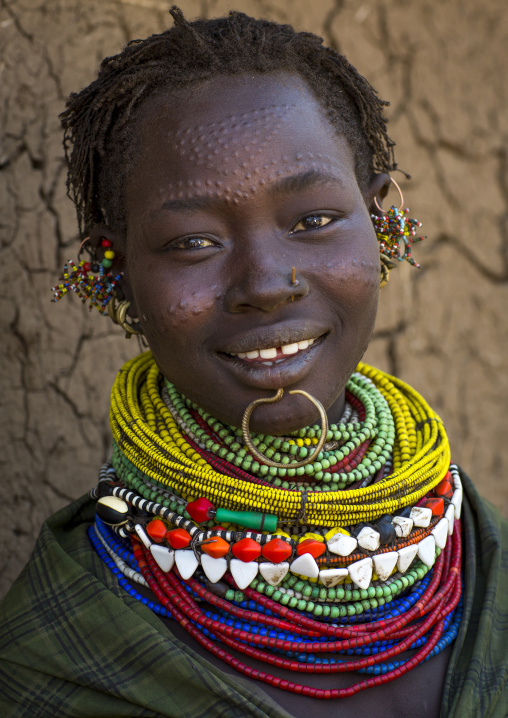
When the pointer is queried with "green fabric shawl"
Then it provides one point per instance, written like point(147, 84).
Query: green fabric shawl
point(73, 643)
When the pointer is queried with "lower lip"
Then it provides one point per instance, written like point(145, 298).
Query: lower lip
point(286, 372)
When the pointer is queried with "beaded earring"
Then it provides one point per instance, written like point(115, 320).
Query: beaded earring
point(396, 232)
point(90, 279)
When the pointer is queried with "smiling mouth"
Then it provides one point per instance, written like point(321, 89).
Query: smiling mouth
point(273, 355)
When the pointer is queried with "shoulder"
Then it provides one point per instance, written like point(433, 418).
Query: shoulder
point(477, 679)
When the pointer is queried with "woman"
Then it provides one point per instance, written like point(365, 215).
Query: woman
point(228, 177)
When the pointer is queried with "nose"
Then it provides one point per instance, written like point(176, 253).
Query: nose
point(264, 280)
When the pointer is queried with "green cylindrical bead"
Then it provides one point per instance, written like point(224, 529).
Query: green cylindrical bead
point(248, 519)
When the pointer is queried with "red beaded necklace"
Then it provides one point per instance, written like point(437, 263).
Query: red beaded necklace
point(439, 599)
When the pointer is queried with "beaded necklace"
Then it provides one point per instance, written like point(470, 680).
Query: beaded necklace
point(297, 555)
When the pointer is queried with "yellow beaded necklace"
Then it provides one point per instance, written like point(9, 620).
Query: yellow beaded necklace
point(149, 437)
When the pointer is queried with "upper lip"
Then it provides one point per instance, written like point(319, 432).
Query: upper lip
point(274, 336)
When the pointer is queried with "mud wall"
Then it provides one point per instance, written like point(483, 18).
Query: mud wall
point(443, 328)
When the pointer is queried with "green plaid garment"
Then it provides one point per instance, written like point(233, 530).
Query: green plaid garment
point(73, 643)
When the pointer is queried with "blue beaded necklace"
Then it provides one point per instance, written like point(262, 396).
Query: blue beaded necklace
point(114, 551)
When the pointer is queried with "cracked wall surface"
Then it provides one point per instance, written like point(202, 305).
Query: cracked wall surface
point(442, 328)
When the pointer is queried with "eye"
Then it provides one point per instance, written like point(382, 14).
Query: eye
point(193, 243)
point(312, 221)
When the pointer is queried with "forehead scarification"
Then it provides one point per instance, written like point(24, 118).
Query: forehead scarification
point(237, 186)
point(237, 150)
point(237, 136)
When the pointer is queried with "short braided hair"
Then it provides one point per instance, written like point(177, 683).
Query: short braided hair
point(99, 122)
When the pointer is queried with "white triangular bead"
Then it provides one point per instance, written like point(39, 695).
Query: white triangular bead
point(406, 557)
point(360, 572)
point(427, 551)
point(402, 525)
point(440, 532)
point(214, 568)
point(330, 577)
point(368, 539)
point(421, 516)
point(341, 545)
point(305, 565)
point(186, 562)
point(244, 572)
point(384, 563)
point(450, 515)
point(457, 502)
point(143, 536)
point(164, 557)
point(273, 573)
point(457, 483)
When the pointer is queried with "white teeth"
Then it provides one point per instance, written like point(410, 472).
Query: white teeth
point(267, 363)
point(289, 348)
point(272, 352)
point(268, 353)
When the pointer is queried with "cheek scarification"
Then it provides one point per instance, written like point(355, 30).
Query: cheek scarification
point(175, 315)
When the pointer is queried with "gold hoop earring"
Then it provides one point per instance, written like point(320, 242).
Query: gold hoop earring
point(400, 195)
point(278, 396)
point(118, 313)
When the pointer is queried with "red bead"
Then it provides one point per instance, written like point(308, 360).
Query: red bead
point(276, 550)
point(156, 529)
point(200, 510)
point(312, 546)
point(246, 550)
point(87, 267)
point(106, 243)
point(436, 506)
point(178, 538)
point(215, 547)
point(444, 489)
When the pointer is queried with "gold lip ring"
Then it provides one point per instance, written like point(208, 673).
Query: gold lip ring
point(271, 400)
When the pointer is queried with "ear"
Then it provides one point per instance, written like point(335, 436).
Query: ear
point(97, 235)
point(378, 189)
point(100, 232)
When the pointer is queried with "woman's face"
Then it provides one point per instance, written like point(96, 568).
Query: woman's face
point(236, 182)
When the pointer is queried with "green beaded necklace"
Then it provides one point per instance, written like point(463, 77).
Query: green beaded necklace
point(342, 439)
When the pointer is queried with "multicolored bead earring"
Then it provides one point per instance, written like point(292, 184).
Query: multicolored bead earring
point(90, 280)
point(396, 232)
point(93, 282)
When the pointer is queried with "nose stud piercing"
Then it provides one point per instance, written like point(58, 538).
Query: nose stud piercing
point(294, 282)
point(271, 400)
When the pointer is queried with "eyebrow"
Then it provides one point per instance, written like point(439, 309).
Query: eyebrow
point(304, 180)
point(285, 185)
